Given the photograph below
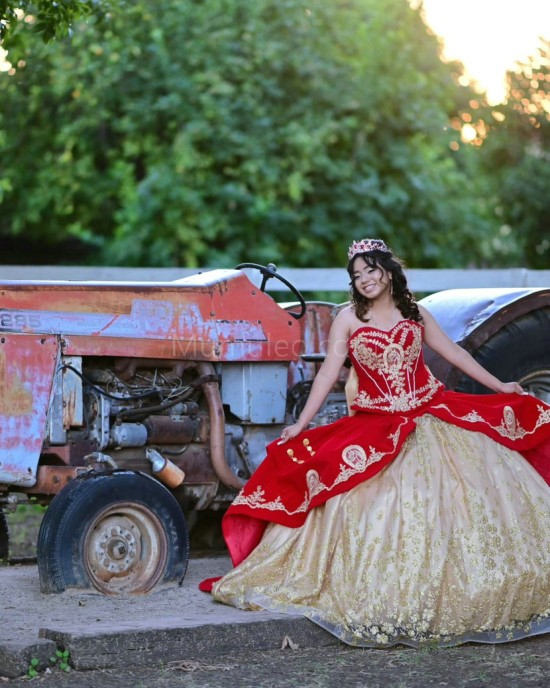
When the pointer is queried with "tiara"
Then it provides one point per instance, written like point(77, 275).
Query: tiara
point(366, 245)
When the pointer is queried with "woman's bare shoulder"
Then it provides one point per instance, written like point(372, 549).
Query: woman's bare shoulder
point(423, 311)
point(345, 322)
point(346, 313)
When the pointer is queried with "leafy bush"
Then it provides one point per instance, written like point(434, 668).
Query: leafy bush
point(206, 133)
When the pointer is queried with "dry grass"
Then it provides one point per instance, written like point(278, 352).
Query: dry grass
point(23, 527)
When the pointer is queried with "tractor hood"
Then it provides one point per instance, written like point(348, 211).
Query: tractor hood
point(213, 316)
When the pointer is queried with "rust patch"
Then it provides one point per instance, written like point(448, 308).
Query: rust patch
point(15, 399)
point(52, 479)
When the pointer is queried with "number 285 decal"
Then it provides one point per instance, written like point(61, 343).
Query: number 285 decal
point(18, 321)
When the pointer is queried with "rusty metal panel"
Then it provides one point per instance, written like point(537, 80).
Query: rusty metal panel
point(52, 479)
point(314, 331)
point(217, 316)
point(27, 368)
point(73, 406)
point(66, 402)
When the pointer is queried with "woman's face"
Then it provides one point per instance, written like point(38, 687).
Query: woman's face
point(371, 282)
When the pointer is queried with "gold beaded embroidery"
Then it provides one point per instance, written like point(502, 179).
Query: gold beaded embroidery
point(292, 457)
point(309, 448)
point(355, 460)
point(390, 360)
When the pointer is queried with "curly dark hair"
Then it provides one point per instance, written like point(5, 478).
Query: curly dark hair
point(402, 296)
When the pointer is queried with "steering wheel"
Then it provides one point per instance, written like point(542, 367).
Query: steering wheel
point(269, 271)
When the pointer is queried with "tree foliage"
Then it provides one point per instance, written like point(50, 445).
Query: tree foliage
point(517, 158)
point(49, 19)
point(207, 133)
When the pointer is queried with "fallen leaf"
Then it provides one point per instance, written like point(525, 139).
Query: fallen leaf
point(288, 642)
point(190, 665)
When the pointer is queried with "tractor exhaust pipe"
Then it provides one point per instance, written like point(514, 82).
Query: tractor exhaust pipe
point(217, 429)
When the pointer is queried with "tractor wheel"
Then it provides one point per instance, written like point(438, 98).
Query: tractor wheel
point(119, 532)
point(4, 539)
point(518, 352)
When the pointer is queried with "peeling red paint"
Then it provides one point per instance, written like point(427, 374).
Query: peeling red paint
point(27, 366)
point(159, 320)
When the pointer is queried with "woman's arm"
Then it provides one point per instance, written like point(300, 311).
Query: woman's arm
point(437, 340)
point(329, 372)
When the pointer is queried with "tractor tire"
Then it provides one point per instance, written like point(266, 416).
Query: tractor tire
point(518, 352)
point(4, 539)
point(119, 532)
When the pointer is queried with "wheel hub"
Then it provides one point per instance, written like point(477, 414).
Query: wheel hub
point(125, 550)
point(116, 549)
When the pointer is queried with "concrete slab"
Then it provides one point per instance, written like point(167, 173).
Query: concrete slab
point(170, 623)
point(16, 656)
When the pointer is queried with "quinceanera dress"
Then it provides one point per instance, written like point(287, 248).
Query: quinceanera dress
point(420, 518)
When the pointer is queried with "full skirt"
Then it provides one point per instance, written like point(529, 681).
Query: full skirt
point(449, 543)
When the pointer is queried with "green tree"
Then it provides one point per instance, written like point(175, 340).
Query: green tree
point(49, 19)
point(205, 133)
point(517, 152)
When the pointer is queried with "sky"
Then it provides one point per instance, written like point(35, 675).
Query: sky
point(489, 36)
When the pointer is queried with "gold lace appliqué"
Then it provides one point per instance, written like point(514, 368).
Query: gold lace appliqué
point(356, 460)
point(390, 361)
point(509, 426)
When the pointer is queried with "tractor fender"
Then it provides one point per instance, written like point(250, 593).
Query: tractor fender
point(471, 317)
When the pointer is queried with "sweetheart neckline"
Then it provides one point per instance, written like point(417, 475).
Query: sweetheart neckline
point(378, 329)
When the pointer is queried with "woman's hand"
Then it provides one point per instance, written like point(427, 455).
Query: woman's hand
point(511, 388)
point(290, 432)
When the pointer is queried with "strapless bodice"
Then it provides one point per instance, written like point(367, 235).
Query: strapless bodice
point(390, 368)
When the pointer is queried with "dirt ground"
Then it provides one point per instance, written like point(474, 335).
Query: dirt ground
point(525, 664)
point(522, 665)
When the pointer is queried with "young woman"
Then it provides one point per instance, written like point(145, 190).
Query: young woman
point(419, 517)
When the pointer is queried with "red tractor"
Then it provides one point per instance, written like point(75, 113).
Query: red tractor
point(130, 409)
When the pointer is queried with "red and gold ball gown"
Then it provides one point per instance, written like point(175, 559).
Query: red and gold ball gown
point(423, 517)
